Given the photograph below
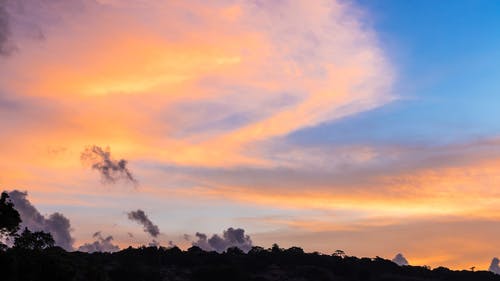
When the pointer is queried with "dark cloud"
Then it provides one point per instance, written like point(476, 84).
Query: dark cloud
point(494, 266)
point(100, 245)
point(230, 238)
point(111, 170)
point(187, 237)
point(25, 19)
point(57, 224)
point(5, 47)
point(28, 18)
point(400, 260)
point(140, 217)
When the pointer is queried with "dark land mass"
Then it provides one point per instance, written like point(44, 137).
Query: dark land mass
point(159, 263)
point(33, 256)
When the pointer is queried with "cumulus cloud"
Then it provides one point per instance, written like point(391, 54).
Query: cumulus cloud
point(494, 266)
point(400, 260)
point(100, 245)
point(140, 217)
point(57, 224)
point(111, 170)
point(230, 238)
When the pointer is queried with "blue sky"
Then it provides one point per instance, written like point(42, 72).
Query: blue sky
point(447, 55)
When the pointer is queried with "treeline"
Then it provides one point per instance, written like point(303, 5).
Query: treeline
point(159, 263)
point(32, 256)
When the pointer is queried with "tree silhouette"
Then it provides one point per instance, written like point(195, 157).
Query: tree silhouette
point(26, 262)
point(295, 251)
point(275, 248)
point(37, 240)
point(234, 251)
point(256, 249)
point(9, 217)
point(339, 253)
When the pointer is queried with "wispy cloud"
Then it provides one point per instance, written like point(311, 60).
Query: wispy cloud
point(274, 68)
point(111, 170)
point(140, 217)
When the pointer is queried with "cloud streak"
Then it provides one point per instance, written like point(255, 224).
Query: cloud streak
point(140, 217)
point(111, 170)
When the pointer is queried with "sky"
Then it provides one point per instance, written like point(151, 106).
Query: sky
point(368, 126)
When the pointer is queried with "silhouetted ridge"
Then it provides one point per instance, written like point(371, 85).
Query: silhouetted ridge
point(259, 264)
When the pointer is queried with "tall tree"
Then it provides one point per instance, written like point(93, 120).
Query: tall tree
point(9, 217)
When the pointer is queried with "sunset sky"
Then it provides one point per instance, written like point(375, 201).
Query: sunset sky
point(371, 126)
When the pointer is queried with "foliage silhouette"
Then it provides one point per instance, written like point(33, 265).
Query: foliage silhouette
point(37, 240)
point(9, 217)
point(259, 264)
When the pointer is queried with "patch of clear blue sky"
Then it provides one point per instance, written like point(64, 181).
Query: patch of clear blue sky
point(447, 59)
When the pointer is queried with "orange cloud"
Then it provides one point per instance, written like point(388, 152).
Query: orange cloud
point(117, 73)
point(464, 190)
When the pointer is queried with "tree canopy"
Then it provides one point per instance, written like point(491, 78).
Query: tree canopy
point(37, 240)
point(9, 216)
